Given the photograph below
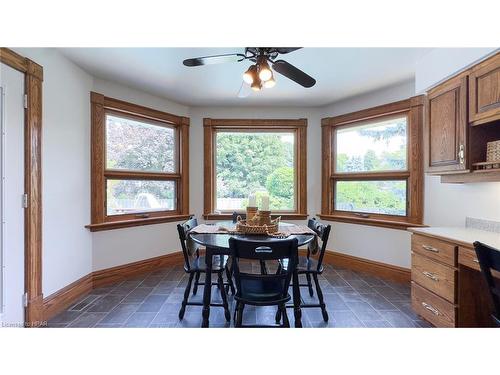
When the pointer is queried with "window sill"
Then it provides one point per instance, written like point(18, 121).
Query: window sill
point(393, 224)
point(230, 216)
point(135, 223)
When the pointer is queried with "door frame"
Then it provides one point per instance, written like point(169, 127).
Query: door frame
point(33, 78)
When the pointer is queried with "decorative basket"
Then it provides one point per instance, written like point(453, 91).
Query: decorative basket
point(493, 151)
point(242, 226)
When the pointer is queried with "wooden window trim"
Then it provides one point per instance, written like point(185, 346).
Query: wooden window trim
point(413, 108)
point(211, 126)
point(100, 106)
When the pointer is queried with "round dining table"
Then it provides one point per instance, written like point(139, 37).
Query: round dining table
point(218, 244)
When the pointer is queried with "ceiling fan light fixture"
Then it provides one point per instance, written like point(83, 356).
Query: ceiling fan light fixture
point(256, 85)
point(265, 72)
point(270, 83)
point(250, 75)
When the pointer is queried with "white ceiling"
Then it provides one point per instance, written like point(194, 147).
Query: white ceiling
point(340, 73)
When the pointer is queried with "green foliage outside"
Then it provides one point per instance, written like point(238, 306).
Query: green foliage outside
point(131, 145)
point(388, 197)
point(255, 163)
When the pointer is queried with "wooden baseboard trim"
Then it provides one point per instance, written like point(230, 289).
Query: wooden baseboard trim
point(379, 269)
point(114, 274)
point(63, 298)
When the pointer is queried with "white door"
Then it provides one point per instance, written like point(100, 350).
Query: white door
point(12, 190)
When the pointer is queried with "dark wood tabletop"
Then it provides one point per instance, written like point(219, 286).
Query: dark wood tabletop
point(221, 241)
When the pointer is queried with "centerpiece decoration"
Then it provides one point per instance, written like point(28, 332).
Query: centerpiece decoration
point(258, 221)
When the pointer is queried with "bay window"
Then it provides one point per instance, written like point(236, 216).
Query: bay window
point(139, 165)
point(372, 165)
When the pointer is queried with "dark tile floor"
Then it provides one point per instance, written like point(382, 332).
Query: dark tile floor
point(353, 299)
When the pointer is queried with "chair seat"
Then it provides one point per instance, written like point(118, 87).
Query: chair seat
point(218, 263)
point(305, 265)
point(258, 291)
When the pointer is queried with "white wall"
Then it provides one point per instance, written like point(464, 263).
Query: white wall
point(120, 246)
point(449, 204)
point(67, 245)
point(441, 63)
point(388, 94)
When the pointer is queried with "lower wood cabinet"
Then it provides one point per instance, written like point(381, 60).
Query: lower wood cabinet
point(468, 258)
point(435, 277)
point(447, 287)
point(433, 308)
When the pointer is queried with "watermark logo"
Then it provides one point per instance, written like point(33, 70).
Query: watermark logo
point(35, 324)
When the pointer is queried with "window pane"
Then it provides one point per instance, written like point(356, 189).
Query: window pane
point(375, 146)
point(139, 146)
point(379, 197)
point(131, 196)
point(261, 163)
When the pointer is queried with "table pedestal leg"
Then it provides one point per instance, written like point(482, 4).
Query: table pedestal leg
point(207, 291)
point(296, 301)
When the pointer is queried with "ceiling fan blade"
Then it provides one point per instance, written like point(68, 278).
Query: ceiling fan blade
point(295, 74)
point(284, 50)
point(244, 91)
point(216, 59)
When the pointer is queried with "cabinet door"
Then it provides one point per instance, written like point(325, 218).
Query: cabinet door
point(445, 135)
point(484, 91)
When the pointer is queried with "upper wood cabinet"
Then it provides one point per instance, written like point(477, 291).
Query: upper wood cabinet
point(462, 116)
point(484, 91)
point(445, 130)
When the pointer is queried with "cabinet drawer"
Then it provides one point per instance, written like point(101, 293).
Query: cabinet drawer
point(435, 249)
point(432, 308)
point(468, 258)
point(436, 277)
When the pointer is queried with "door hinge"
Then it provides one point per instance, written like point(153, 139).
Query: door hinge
point(25, 299)
point(25, 200)
point(25, 101)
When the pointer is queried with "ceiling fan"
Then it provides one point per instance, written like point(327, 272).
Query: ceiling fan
point(260, 74)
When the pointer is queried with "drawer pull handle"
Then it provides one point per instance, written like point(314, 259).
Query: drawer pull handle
point(475, 260)
point(430, 248)
point(430, 308)
point(430, 275)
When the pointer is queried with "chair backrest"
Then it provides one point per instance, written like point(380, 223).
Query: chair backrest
point(241, 214)
point(489, 259)
point(323, 232)
point(183, 230)
point(266, 251)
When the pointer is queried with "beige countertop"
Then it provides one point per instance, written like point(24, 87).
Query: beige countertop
point(461, 235)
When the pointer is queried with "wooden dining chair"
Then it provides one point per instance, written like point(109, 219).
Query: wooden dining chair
point(258, 289)
point(312, 267)
point(194, 265)
point(489, 259)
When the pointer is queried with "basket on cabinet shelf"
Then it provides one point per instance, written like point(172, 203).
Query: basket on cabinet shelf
point(492, 158)
point(493, 151)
